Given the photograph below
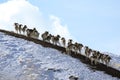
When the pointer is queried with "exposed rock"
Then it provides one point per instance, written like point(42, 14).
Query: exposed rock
point(73, 78)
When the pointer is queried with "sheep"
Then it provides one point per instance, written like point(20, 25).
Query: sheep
point(24, 29)
point(93, 58)
point(35, 33)
point(86, 51)
point(89, 52)
point(29, 31)
point(69, 48)
point(55, 39)
point(20, 28)
point(16, 27)
point(78, 47)
point(32, 33)
point(69, 42)
point(48, 38)
point(44, 35)
point(107, 59)
point(63, 41)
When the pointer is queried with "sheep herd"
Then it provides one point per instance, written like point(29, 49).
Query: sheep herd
point(94, 55)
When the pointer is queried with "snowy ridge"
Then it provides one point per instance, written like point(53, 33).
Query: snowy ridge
point(24, 60)
point(112, 69)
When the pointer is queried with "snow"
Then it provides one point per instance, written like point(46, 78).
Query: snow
point(24, 60)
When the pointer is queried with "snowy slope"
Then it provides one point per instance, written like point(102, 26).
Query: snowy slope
point(24, 60)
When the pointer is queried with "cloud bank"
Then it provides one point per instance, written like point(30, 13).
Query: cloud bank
point(58, 28)
point(22, 11)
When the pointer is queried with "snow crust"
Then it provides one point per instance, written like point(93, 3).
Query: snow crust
point(24, 60)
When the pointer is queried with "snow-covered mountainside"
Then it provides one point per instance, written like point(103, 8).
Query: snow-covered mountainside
point(24, 60)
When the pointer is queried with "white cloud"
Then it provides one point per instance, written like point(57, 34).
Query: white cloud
point(22, 11)
point(58, 28)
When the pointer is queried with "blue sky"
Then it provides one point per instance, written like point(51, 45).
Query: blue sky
point(95, 23)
